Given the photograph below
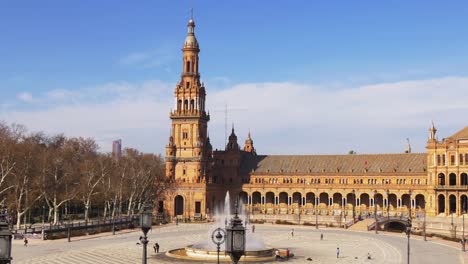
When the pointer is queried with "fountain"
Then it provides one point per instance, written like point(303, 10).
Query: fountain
point(206, 250)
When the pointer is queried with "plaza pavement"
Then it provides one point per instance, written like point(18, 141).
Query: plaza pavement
point(306, 243)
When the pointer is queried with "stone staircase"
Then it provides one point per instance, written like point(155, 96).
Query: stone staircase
point(361, 225)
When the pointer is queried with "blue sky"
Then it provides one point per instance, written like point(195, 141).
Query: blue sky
point(91, 54)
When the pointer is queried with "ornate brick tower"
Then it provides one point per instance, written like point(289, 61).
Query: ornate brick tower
point(188, 153)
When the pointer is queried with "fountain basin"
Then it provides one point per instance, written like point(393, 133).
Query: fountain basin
point(197, 254)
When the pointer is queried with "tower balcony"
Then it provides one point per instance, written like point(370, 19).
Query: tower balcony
point(190, 74)
point(184, 114)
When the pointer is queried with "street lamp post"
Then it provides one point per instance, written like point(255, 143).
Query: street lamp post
point(375, 211)
point(316, 213)
point(113, 225)
point(218, 236)
point(354, 204)
point(408, 230)
point(5, 243)
point(235, 238)
point(69, 230)
point(146, 221)
point(408, 234)
point(463, 226)
point(424, 221)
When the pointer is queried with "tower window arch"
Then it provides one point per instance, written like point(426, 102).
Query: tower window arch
point(187, 68)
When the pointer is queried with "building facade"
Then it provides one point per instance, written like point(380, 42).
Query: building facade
point(434, 182)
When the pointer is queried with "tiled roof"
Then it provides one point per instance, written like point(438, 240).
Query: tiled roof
point(462, 134)
point(334, 164)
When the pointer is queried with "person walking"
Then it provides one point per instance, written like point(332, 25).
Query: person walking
point(292, 232)
point(321, 236)
point(26, 241)
point(156, 247)
point(253, 228)
point(337, 252)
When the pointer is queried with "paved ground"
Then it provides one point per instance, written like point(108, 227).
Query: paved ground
point(306, 243)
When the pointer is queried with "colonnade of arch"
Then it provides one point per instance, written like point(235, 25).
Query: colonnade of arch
point(333, 203)
point(452, 179)
point(451, 203)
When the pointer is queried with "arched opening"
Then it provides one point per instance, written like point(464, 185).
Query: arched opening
point(323, 199)
point(379, 200)
point(256, 198)
point(192, 105)
point(452, 179)
point(283, 198)
point(441, 204)
point(395, 227)
point(406, 201)
point(392, 201)
point(463, 179)
point(243, 197)
point(185, 105)
point(179, 105)
point(350, 200)
point(453, 203)
point(464, 203)
point(420, 203)
point(365, 203)
point(441, 179)
point(297, 198)
point(270, 198)
point(310, 198)
point(337, 200)
point(178, 205)
point(187, 69)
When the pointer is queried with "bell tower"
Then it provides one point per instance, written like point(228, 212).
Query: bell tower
point(186, 156)
point(188, 152)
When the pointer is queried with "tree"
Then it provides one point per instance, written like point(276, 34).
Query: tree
point(59, 175)
point(7, 161)
point(93, 169)
point(26, 184)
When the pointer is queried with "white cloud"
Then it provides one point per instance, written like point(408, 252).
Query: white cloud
point(287, 118)
point(25, 97)
point(135, 57)
point(148, 59)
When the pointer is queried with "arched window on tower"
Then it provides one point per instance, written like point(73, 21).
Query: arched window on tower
point(187, 68)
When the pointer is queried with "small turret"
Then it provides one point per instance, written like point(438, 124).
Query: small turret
point(408, 146)
point(432, 133)
point(232, 143)
point(248, 146)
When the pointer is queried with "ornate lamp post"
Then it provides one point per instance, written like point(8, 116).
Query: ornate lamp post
point(5, 243)
point(408, 234)
point(146, 221)
point(235, 238)
point(218, 236)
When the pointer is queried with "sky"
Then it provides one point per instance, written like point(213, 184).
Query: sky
point(304, 77)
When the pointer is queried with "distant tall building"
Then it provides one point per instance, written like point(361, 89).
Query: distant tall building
point(117, 149)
